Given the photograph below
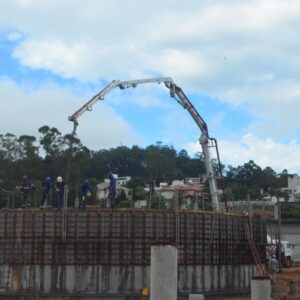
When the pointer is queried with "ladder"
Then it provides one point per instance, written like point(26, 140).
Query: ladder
point(248, 233)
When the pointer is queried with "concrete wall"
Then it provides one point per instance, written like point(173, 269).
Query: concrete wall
point(118, 279)
point(108, 251)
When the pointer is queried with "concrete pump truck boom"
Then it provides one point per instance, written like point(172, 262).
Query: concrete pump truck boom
point(176, 93)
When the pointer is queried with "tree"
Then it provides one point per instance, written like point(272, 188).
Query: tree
point(29, 157)
point(54, 145)
point(23, 155)
point(160, 163)
point(9, 147)
point(157, 201)
point(51, 140)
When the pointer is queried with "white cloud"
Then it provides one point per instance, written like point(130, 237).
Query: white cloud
point(88, 40)
point(26, 110)
point(182, 64)
point(275, 104)
point(264, 152)
point(52, 55)
point(245, 53)
point(14, 36)
point(146, 96)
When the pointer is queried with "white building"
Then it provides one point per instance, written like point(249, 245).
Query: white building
point(102, 190)
point(194, 180)
point(293, 188)
point(123, 180)
point(189, 195)
point(294, 183)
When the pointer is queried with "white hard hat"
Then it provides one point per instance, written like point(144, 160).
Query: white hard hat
point(59, 179)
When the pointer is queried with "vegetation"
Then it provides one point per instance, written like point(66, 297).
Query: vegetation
point(47, 155)
point(290, 212)
point(253, 180)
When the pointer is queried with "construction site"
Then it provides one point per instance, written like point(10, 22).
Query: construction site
point(105, 254)
point(114, 253)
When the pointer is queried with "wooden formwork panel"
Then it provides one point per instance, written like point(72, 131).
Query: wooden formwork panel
point(124, 237)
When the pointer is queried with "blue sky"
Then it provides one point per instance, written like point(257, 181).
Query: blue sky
point(238, 61)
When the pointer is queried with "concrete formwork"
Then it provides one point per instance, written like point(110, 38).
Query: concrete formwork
point(108, 252)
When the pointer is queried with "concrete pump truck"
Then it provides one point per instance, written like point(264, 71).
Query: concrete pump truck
point(176, 93)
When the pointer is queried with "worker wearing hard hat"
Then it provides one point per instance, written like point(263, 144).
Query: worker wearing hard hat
point(273, 267)
point(60, 189)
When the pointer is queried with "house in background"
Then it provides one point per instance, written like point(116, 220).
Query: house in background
point(195, 180)
point(122, 180)
point(191, 191)
point(189, 195)
point(102, 188)
point(293, 188)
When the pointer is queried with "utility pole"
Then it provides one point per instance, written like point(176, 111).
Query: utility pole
point(151, 189)
point(131, 197)
point(150, 196)
point(279, 232)
point(250, 211)
point(65, 212)
point(177, 220)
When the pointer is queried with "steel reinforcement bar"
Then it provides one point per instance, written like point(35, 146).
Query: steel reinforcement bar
point(124, 237)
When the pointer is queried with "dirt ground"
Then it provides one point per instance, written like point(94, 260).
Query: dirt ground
point(287, 284)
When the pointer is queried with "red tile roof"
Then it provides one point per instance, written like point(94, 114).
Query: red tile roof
point(184, 188)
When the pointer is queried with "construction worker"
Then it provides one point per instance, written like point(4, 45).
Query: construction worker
point(46, 188)
point(60, 189)
point(25, 189)
point(84, 193)
point(111, 191)
point(273, 267)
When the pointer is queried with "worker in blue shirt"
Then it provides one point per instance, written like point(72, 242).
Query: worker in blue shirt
point(84, 193)
point(112, 190)
point(46, 188)
point(25, 189)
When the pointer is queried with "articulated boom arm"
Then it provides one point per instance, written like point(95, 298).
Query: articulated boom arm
point(176, 93)
point(89, 105)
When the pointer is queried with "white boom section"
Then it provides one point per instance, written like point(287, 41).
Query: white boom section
point(176, 93)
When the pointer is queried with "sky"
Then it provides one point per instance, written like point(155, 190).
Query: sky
point(237, 61)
